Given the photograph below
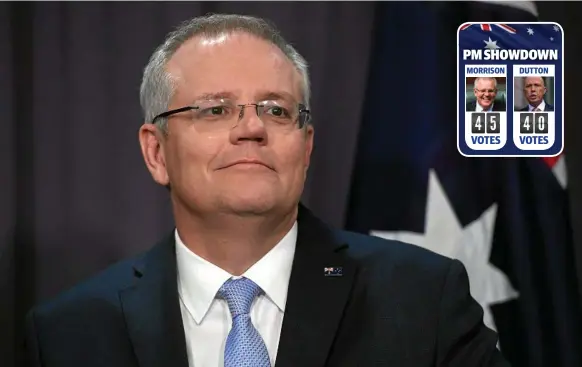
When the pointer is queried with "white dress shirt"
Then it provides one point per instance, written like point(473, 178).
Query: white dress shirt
point(207, 320)
point(541, 106)
point(479, 108)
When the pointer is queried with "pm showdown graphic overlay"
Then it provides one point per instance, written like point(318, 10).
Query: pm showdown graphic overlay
point(510, 89)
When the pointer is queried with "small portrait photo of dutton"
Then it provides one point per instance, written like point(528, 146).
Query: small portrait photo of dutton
point(485, 94)
point(533, 93)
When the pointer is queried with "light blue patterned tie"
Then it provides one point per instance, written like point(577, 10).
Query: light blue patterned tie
point(244, 346)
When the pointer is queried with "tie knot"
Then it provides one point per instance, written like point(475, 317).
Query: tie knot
point(239, 294)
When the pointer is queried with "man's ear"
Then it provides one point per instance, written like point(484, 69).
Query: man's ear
point(151, 142)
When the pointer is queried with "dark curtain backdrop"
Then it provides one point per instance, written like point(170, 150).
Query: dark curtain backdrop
point(75, 195)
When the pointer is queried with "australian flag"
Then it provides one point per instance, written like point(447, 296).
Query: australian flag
point(506, 219)
point(510, 36)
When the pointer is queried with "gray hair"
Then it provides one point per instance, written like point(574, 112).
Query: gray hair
point(158, 87)
point(485, 78)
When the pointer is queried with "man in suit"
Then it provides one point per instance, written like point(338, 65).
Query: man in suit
point(250, 277)
point(485, 90)
point(534, 88)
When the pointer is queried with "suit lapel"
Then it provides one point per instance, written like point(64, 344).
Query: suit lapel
point(152, 311)
point(315, 302)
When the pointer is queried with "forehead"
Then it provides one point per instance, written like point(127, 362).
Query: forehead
point(534, 80)
point(239, 63)
point(485, 82)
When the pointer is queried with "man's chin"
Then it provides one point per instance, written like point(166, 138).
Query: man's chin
point(249, 204)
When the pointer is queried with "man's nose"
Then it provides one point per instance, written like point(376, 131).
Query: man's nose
point(249, 126)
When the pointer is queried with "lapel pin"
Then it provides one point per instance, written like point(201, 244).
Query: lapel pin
point(333, 271)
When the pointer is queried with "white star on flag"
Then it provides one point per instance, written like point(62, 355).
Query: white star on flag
point(492, 45)
point(551, 38)
point(560, 172)
point(530, 31)
point(471, 245)
point(556, 29)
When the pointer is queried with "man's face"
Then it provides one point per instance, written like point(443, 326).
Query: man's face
point(485, 92)
point(199, 162)
point(534, 89)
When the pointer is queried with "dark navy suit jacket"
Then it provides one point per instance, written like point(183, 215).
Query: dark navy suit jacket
point(497, 106)
point(394, 305)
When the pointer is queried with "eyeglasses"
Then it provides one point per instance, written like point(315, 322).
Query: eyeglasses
point(224, 114)
point(482, 91)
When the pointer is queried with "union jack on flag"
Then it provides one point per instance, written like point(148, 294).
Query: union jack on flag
point(510, 36)
point(487, 27)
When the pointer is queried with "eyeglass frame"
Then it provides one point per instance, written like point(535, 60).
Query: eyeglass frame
point(488, 90)
point(301, 108)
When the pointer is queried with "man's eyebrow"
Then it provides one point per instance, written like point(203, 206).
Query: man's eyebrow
point(272, 95)
point(215, 95)
point(261, 96)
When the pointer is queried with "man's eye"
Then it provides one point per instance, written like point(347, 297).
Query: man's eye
point(214, 111)
point(277, 111)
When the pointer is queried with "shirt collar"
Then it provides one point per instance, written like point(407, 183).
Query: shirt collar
point(541, 106)
point(199, 280)
point(481, 109)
